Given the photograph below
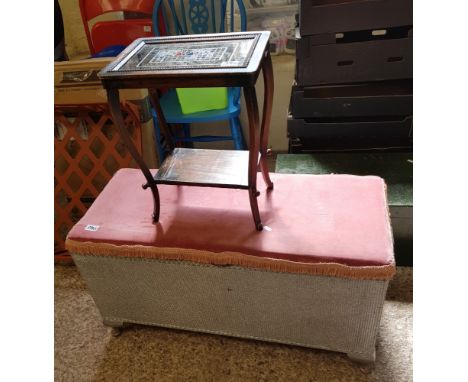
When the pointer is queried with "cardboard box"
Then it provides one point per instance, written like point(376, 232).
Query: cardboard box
point(76, 83)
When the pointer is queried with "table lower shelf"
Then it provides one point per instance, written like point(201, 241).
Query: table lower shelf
point(209, 168)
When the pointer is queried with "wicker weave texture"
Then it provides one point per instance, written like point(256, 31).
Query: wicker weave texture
point(313, 311)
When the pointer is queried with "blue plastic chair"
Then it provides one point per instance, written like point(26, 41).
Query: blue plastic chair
point(199, 15)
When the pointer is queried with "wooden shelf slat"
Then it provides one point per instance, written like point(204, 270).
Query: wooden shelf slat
point(209, 168)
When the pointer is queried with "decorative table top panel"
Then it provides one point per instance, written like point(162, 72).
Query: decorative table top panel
point(189, 56)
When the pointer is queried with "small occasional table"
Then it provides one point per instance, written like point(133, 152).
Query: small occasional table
point(210, 60)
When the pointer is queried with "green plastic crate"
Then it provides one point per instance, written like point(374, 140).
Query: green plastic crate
point(194, 100)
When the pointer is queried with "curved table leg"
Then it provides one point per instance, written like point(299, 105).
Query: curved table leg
point(267, 69)
point(116, 112)
point(252, 111)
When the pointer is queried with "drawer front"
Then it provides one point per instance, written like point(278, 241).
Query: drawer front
point(310, 135)
point(353, 100)
point(325, 16)
point(354, 62)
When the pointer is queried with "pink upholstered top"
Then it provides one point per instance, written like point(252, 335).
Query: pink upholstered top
point(309, 219)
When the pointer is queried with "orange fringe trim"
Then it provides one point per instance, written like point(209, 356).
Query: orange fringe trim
point(384, 272)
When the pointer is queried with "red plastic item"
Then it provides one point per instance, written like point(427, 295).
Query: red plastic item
point(117, 32)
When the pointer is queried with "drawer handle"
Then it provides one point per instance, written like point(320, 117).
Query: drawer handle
point(379, 32)
point(345, 63)
point(395, 59)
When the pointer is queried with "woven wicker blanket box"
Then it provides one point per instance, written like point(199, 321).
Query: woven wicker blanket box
point(316, 276)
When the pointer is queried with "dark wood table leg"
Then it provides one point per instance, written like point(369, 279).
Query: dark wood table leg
point(267, 69)
point(116, 112)
point(252, 111)
point(154, 99)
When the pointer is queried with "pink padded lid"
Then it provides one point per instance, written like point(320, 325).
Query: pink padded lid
point(310, 218)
